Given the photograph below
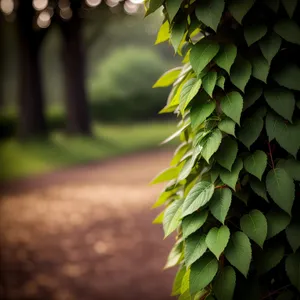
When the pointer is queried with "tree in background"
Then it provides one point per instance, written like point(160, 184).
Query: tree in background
point(233, 196)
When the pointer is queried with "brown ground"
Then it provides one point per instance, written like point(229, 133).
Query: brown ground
point(85, 234)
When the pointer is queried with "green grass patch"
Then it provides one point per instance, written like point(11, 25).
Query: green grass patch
point(21, 159)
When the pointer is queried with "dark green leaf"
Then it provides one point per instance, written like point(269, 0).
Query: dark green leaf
point(200, 112)
point(177, 34)
point(172, 217)
point(289, 30)
point(227, 153)
point(220, 203)
point(292, 267)
point(238, 252)
point(252, 94)
point(256, 163)
point(224, 284)
point(230, 178)
point(217, 240)
point(293, 234)
point(226, 57)
point(209, 82)
point(292, 167)
point(259, 188)
point(211, 144)
point(272, 4)
point(270, 46)
point(195, 247)
point(172, 8)
point(260, 68)
point(221, 82)
point(232, 106)
point(288, 77)
point(277, 222)
point(254, 33)
point(154, 5)
point(286, 295)
point(239, 9)
point(240, 73)
point(193, 222)
point(227, 126)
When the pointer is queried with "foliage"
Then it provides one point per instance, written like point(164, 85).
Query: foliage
point(234, 198)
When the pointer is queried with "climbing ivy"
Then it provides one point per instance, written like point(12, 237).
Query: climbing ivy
point(232, 196)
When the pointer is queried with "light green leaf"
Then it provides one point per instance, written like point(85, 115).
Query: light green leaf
point(172, 7)
point(240, 73)
point(281, 188)
point(260, 68)
point(188, 92)
point(238, 252)
point(288, 77)
point(167, 78)
point(159, 218)
point(209, 82)
point(227, 153)
point(176, 134)
point(163, 34)
point(193, 222)
point(293, 234)
point(163, 197)
point(200, 112)
point(166, 175)
point(203, 272)
point(174, 255)
point(227, 126)
point(292, 267)
point(252, 94)
point(185, 284)
point(239, 9)
point(177, 34)
point(221, 82)
point(153, 6)
point(232, 106)
point(255, 226)
point(179, 153)
point(254, 33)
point(195, 247)
point(289, 30)
point(277, 222)
point(176, 289)
point(224, 284)
point(256, 163)
point(199, 195)
point(230, 178)
point(282, 101)
point(217, 240)
point(211, 144)
point(270, 258)
point(287, 135)
point(270, 45)
point(259, 188)
point(220, 203)
point(250, 130)
point(209, 12)
point(290, 6)
point(226, 57)
point(292, 167)
point(185, 296)
point(202, 54)
point(172, 217)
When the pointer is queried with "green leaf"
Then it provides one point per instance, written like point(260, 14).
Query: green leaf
point(240, 73)
point(287, 135)
point(221, 82)
point(230, 178)
point(254, 33)
point(185, 284)
point(270, 258)
point(270, 45)
point(176, 289)
point(256, 163)
point(203, 272)
point(177, 34)
point(286, 295)
point(259, 188)
point(252, 94)
point(163, 34)
point(200, 112)
point(260, 68)
point(292, 167)
point(250, 130)
point(239, 9)
point(292, 267)
point(172, 217)
point(293, 234)
point(174, 256)
point(167, 78)
point(209, 82)
point(188, 92)
point(226, 57)
point(166, 175)
point(193, 222)
point(272, 4)
point(277, 222)
point(227, 126)
point(217, 240)
point(238, 252)
point(153, 6)
point(199, 195)
point(282, 101)
point(224, 284)
point(159, 218)
point(232, 106)
point(209, 12)
point(288, 77)
point(227, 153)
point(185, 296)
point(211, 144)
point(202, 54)
point(255, 226)
point(289, 30)
point(172, 7)
point(195, 247)
point(220, 203)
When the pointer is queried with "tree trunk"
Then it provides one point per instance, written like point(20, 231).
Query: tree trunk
point(32, 120)
point(78, 119)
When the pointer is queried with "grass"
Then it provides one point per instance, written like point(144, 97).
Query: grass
point(40, 156)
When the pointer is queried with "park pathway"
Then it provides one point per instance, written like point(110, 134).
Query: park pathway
point(85, 234)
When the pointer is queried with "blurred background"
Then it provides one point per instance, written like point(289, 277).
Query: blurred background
point(79, 136)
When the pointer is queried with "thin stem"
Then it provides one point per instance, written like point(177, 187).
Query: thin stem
point(271, 156)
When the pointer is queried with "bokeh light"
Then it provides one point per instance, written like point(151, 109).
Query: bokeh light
point(44, 19)
point(39, 4)
point(130, 7)
point(93, 3)
point(7, 6)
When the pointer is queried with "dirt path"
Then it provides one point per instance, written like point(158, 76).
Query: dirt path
point(85, 234)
